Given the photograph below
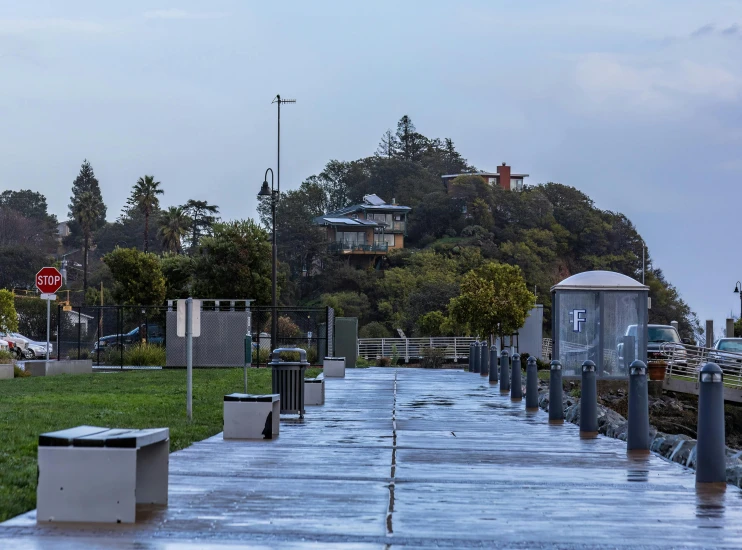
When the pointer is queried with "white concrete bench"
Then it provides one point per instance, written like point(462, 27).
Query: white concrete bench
point(248, 416)
point(314, 390)
point(93, 474)
point(334, 367)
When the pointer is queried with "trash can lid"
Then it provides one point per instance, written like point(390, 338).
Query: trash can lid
point(276, 355)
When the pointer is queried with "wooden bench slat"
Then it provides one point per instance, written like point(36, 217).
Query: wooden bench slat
point(64, 438)
point(247, 397)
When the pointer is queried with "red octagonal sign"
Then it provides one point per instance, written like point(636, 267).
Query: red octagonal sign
point(48, 280)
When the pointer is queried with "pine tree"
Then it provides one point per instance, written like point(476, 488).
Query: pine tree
point(87, 209)
point(411, 145)
point(202, 218)
point(388, 145)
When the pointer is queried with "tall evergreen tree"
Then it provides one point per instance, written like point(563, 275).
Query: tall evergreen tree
point(410, 144)
point(144, 198)
point(202, 217)
point(388, 145)
point(86, 209)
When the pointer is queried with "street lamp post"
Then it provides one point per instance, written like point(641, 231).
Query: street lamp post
point(273, 194)
point(738, 290)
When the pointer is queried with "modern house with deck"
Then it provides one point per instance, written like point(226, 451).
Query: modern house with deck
point(365, 232)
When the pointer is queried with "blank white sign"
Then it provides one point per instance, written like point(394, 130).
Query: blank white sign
point(195, 318)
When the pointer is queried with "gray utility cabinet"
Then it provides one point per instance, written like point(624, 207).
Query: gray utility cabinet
point(346, 339)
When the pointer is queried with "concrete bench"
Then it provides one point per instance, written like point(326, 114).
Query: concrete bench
point(93, 474)
point(248, 416)
point(334, 367)
point(314, 390)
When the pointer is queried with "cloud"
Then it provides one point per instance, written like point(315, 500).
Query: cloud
point(661, 85)
point(703, 31)
point(713, 30)
point(175, 13)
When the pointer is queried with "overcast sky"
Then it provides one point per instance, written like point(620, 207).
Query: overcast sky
point(636, 103)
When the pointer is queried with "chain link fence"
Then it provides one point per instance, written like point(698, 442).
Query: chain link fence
point(140, 336)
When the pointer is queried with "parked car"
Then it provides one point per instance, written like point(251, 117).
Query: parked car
point(727, 352)
point(15, 345)
point(155, 335)
point(657, 337)
point(34, 348)
point(4, 345)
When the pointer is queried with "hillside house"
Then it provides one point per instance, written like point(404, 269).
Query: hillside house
point(365, 232)
point(504, 178)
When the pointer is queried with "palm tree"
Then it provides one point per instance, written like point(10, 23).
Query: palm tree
point(87, 211)
point(144, 198)
point(174, 224)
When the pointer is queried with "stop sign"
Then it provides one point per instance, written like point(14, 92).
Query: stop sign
point(48, 280)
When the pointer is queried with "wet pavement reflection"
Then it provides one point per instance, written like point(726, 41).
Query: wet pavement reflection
point(412, 458)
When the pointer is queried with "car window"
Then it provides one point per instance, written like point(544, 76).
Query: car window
point(731, 345)
point(663, 334)
point(632, 330)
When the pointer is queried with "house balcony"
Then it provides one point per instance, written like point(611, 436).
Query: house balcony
point(348, 248)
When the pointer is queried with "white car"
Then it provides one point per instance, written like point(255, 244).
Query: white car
point(16, 345)
point(33, 348)
point(4, 345)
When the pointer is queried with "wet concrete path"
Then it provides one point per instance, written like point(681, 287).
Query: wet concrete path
point(411, 458)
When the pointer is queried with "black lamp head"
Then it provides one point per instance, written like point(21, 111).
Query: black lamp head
point(265, 190)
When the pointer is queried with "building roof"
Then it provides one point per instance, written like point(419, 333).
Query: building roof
point(483, 174)
point(599, 280)
point(330, 219)
point(372, 203)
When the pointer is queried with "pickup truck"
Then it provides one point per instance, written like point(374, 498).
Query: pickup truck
point(155, 335)
point(657, 336)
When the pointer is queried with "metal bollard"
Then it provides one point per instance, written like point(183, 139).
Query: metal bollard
point(504, 372)
point(556, 402)
point(531, 384)
point(711, 446)
point(484, 369)
point(516, 384)
point(477, 356)
point(589, 401)
point(637, 436)
point(470, 366)
point(493, 365)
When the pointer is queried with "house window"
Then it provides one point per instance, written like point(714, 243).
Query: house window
point(351, 238)
point(397, 217)
point(388, 239)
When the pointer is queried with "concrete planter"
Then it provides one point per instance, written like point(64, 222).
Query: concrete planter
point(54, 368)
point(6, 371)
point(334, 367)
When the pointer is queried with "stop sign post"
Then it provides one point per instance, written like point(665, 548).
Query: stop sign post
point(48, 281)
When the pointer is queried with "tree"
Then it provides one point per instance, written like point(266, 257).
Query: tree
point(410, 144)
point(137, 276)
point(86, 209)
point(174, 225)
point(388, 145)
point(87, 215)
point(431, 324)
point(8, 315)
point(29, 204)
point(19, 265)
point(494, 299)
point(201, 214)
point(234, 262)
point(178, 272)
point(144, 199)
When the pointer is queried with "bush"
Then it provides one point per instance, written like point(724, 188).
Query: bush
point(294, 356)
point(383, 361)
point(473, 231)
point(20, 373)
point(6, 358)
point(362, 363)
point(432, 358)
point(451, 232)
point(145, 355)
point(84, 354)
point(374, 329)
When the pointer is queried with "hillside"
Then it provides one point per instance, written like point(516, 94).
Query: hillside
point(549, 230)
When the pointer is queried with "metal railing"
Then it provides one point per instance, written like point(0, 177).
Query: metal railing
point(547, 347)
point(381, 246)
point(684, 362)
point(412, 348)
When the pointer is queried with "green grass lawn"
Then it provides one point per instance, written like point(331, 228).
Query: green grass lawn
point(140, 399)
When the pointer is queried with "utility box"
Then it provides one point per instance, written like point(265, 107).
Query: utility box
point(346, 339)
point(599, 316)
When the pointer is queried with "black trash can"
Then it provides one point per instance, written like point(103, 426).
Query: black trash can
point(288, 380)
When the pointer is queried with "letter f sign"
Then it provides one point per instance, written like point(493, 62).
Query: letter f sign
point(577, 318)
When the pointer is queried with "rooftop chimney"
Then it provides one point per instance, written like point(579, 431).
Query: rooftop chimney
point(504, 178)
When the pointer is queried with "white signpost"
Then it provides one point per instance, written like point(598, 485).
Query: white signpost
point(189, 325)
point(48, 281)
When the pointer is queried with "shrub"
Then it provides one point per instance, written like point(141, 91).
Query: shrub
point(473, 231)
point(18, 372)
point(6, 358)
point(294, 356)
point(362, 363)
point(451, 232)
point(432, 358)
point(383, 362)
point(145, 355)
point(83, 354)
point(374, 329)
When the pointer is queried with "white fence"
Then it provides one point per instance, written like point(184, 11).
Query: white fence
point(684, 362)
point(411, 348)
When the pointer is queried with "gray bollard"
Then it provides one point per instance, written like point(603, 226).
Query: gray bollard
point(516, 384)
point(531, 384)
point(556, 401)
point(493, 365)
point(637, 435)
point(589, 401)
point(504, 372)
point(470, 366)
point(484, 370)
point(711, 446)
point(477, 356)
